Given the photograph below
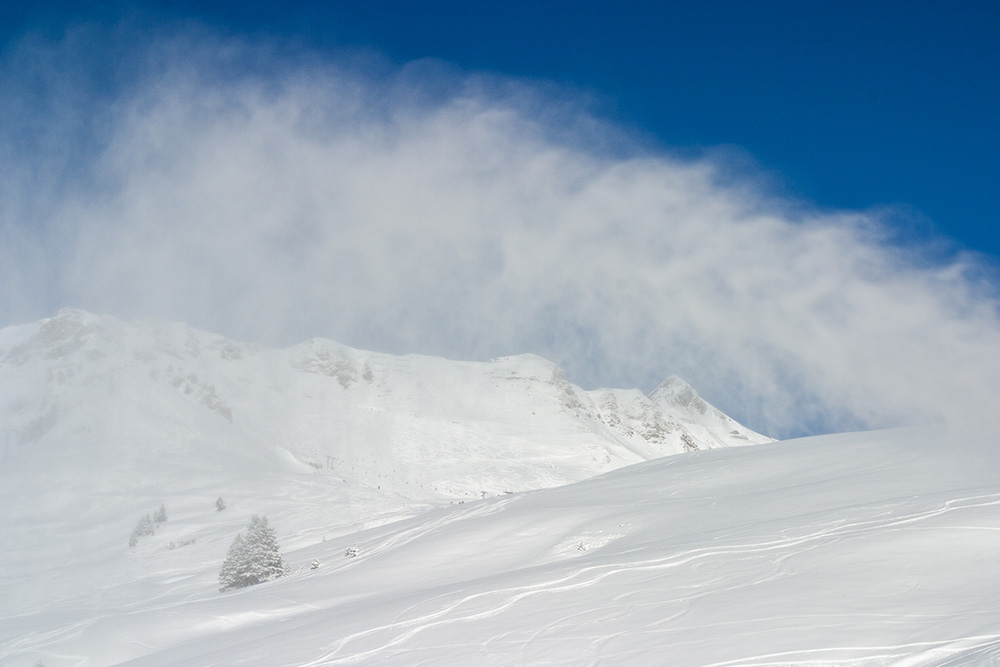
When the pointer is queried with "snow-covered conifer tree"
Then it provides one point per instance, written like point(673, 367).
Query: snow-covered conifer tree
point(252, 558)
point(146, 526)
point(229, 575)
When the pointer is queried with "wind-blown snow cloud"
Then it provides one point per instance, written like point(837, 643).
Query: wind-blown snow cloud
point(423, 210)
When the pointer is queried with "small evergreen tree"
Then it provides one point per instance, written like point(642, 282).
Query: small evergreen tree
point(146, 526)
point(220, 504)
point(252, 558)
point(161, 515)
point(229, 575)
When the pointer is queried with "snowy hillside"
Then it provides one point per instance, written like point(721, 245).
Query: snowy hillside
point(866, 549)
point(460, 514)
point(103, 420)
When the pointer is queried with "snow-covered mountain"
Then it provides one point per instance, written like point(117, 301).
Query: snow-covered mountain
point(102, 420)
point(392, 475)
point(79, 386)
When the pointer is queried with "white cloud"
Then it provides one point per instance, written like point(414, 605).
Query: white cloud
point(483, 218)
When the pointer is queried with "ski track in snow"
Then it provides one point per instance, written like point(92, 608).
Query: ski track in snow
point(459, 605)
point(979, 650)
point(402, 629)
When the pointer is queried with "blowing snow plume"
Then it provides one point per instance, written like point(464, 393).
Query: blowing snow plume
point(274, 196)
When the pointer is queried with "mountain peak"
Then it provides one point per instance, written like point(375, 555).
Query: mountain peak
point(57, 337)
point(676, 391)
point(671, 383)
point(71, 313)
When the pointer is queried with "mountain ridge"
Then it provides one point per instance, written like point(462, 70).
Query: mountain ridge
point(410, 421)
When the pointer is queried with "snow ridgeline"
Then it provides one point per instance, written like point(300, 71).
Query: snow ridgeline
point(420, 426)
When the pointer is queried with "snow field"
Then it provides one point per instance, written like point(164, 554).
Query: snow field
point(866, 549)
point(459, 516)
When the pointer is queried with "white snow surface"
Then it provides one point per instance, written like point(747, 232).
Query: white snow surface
point(496, 515)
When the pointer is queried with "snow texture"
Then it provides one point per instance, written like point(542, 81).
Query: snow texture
point(446, 513)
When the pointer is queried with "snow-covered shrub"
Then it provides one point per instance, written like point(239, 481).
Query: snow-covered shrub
point(220, 504)
point(182, 543)
point(146, 526)
point(252, 558)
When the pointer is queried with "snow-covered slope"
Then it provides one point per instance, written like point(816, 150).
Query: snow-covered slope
point(865, 549)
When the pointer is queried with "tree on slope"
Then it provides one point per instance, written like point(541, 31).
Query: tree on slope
point(252, 558)
point(146, 526)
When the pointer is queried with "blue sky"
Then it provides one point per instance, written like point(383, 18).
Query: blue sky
point(791, 207)
point(848, 104)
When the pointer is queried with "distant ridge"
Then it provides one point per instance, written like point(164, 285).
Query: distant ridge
point(99, 388)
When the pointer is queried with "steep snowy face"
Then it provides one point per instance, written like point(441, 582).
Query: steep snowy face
point(677, 397)
point(672, 417)
point(81, 387)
